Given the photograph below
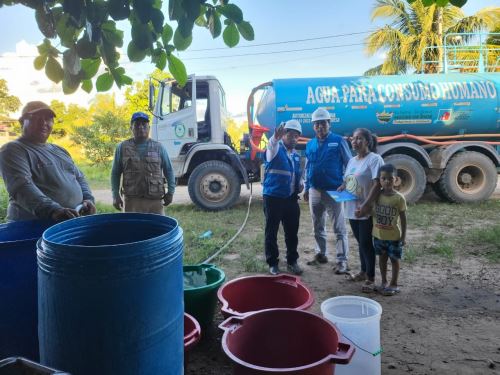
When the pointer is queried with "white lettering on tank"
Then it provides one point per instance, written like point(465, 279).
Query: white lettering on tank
point(434, 91)
point(381, 97)
point(474, 94)
point(389, 92)
point(492, 91)
point(482, 89)
point(310, 96)
point(319, 94)
point(345, 93)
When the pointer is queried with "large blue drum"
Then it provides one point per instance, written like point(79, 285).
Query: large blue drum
point(110, 295)
point(18, 306)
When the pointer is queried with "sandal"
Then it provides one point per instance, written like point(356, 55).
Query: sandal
point(390, 291)
point(360, 276)
point(380, 288)
point(368, 287)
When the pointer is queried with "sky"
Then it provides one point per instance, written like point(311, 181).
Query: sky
point(337, 27)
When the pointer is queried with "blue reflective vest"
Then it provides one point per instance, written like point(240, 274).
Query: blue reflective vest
point(324, 163)
point(278, 174)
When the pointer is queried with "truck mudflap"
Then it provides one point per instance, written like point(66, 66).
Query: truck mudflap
point(238, 165)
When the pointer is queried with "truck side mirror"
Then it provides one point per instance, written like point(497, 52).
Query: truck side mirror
point(151, 96)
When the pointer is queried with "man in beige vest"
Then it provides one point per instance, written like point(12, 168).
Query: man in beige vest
point(143, 166)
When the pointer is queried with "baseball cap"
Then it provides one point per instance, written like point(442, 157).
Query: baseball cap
point(35, 107)
point(139, 115)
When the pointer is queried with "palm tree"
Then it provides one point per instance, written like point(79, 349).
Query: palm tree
point(414, 27)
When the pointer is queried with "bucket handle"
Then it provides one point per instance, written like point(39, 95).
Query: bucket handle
point(344, 354)
point(194, 337)
point(231, 324)
point(287, 279)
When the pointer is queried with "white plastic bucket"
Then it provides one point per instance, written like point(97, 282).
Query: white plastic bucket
point(358, 319)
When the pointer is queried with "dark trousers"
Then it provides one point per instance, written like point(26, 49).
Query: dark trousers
point(287, 212)
point(362, 230)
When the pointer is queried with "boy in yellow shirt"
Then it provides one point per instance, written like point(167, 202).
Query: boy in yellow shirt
point(389, 228)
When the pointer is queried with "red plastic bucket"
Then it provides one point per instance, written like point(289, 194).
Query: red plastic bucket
point(253, 293)
point(192, 332)
point(283, 341)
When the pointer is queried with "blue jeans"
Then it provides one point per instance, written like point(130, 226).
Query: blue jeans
point(362, 230)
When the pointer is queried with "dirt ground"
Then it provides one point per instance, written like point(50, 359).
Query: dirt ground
point(446, 320)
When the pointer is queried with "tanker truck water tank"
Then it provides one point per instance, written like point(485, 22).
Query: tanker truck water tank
point(426, 105)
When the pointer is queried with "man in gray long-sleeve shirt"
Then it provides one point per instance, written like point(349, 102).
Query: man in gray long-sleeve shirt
point(42, 180)
point(144, 165)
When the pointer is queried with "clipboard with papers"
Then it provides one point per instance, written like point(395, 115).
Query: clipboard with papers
point(341, 196)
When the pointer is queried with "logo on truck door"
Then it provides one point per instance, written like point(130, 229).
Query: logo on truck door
point(179, 130)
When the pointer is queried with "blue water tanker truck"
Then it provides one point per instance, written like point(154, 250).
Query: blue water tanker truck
point(441, 130)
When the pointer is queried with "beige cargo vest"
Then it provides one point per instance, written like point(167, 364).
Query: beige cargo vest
point(142, 177)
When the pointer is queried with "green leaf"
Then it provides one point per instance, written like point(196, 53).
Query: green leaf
point(167, 33)
point(177, 68)
point(134, 53)
point(169, 48)
point(162, 60)
point(87, 85)
point(214, 25)
point(201, 21)
point(45, 23)
point(246, 30)
point(125, 80)
point(230, 35)
point(119, 9)
point(65, 31)
point(141, 35)
point(157, 19)
point(175, 10)
point(428, 3)
point(53, 70)
point(180, 42)
point(71, 61)
point(185, 27)
point(143, 9)
point(70, 83)
point(85, 48)
point(104, 82)
point(90, 67)
point(192, 8)
point(39, 62)
point(112, 34)
point(441, 3)
point(231, 11)
point(458, 3)
point(43, 49)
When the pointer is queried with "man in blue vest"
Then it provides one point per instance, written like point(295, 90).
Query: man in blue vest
point(327, 156)
point(282, 184)
point(145, 165)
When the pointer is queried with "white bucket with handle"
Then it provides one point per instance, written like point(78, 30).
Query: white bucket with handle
point(358, 319)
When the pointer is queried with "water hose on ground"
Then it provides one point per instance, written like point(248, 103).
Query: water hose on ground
point(219, 251)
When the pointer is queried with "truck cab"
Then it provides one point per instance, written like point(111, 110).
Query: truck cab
point(191, 122)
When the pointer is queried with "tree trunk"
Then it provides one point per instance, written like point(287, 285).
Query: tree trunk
point(438, 29)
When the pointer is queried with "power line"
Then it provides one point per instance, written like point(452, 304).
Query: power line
point(283, 42)
point(274, 52)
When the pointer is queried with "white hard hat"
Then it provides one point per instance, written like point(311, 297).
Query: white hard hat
point(320, 114)
point(293, 125)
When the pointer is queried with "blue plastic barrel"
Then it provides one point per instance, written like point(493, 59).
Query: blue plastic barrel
point(18, 302)
point(110, 295)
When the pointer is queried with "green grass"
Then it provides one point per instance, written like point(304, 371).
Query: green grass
point(443, 246)
point(490, 239)
point(98, 177)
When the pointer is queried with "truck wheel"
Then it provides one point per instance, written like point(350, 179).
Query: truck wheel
point(214, 185)
point(468, 177)
point(411, 178)
point(439, 192)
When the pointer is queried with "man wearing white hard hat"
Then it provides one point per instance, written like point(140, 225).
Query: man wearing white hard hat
point(282, 185)
point(327, 156)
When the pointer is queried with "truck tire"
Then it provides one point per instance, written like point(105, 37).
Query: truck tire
point(411, 178)
point(468, 177)
point(439, 191)
point(214, 185)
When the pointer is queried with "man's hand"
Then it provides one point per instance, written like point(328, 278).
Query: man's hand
point(88, 208)
point(62, 214)
point(341, 187)
point(363, 210)
point(118, 203)
point(167, 199)
point(306, 196)
point(279, 132)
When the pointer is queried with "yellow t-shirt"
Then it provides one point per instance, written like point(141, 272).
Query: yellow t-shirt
point(386, 223)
